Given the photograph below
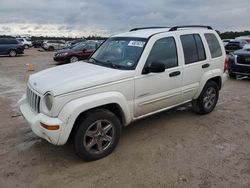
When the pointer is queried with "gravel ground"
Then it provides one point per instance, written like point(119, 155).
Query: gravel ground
point(176, 148)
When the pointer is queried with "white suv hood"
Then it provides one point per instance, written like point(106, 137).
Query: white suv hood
point(71, 77)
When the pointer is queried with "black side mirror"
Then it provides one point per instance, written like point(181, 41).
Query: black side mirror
point(84, 50)
point(155, 68)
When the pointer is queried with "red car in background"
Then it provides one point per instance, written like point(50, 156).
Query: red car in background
point(77, 52)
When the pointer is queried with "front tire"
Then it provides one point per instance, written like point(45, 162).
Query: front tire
point(97, 134)
point(73, 59)
point(207, 99)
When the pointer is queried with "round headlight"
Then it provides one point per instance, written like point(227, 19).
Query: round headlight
point(48, 101)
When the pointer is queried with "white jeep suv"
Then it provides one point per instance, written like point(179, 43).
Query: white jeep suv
point(130, 76)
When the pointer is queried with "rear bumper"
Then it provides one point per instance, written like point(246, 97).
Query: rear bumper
point(20, 50)
point(34, 120)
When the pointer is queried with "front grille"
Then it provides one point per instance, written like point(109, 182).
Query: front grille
point(33, 100)
point(243, 60)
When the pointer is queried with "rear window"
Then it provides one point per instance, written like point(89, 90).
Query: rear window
point(193, 48)
point(214, 45)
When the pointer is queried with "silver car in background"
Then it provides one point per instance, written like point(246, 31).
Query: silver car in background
point(51, 45)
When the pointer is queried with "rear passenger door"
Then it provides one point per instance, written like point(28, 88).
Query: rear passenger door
point(195, 63)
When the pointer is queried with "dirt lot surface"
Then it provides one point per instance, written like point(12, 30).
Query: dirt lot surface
point(176, 148)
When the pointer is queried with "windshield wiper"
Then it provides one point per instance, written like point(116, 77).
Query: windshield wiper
point(112, 65)
point(95, 60)
point(106, 63)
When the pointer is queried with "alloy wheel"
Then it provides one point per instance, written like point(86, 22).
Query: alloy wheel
point(209, 98)
point(99, 136)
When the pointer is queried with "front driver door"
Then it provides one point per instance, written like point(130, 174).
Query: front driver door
point(156, 91)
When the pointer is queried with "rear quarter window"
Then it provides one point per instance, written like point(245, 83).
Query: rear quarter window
point(214, 45)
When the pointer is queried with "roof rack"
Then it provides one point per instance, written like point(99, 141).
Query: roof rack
point(140, 28)
point(188, 26)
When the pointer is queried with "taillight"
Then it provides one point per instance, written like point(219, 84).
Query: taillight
point(226, 64)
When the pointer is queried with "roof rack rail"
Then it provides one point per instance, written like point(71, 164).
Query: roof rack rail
point(187, 26)
point(140, 28)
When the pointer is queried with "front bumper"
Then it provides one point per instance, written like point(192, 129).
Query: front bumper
point(35, 121)
point(239, 69)
point(61, 58)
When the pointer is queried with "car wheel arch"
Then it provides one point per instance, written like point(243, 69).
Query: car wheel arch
point(209, 76)
point(112, 101)
point(112, 107)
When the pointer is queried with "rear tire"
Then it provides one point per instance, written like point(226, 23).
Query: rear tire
point(12, 53)
point(207, 99)
point(97, 134)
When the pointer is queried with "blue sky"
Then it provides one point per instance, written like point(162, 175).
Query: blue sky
point(106, 17)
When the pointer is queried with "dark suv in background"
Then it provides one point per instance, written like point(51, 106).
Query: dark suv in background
point(234, 45)
point(239, 63)
point(77, 52)
point(11, 47)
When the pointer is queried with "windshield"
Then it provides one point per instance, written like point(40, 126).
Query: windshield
point(119, 52)
point(78, 47)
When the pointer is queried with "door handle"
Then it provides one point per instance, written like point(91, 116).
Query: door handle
point(205, 65)
point(176, 73)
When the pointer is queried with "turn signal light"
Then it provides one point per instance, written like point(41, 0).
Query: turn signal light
point(50, 127)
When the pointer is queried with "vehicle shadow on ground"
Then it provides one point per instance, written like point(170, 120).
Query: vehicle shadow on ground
point(243, 78)
point(18, 56)
point(66, 152)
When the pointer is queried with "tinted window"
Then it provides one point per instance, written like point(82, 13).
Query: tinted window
point(8, 41)
point(193, 48)
point(200, 48)
point(214, 45)
point(79, 47)
point(164, 51)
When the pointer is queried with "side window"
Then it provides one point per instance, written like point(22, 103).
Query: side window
point(164, 51)
point(214, 45)
point(193, 48)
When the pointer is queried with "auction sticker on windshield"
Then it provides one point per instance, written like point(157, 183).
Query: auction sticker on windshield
point(136, 43)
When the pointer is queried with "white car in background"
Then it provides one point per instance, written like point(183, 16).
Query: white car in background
point(246, 47)
point(51, 45)
point(226, 41)
point(26, 42)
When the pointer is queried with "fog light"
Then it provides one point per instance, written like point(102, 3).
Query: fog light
point(50, 127)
